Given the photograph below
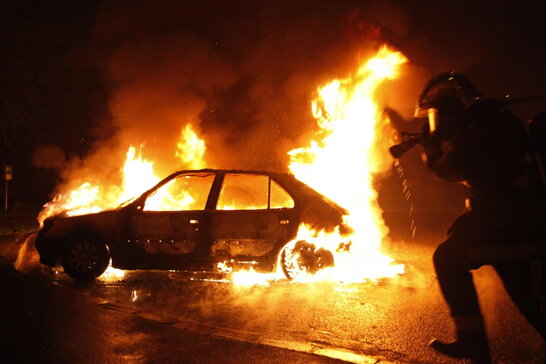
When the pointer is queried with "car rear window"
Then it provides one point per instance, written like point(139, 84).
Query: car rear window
point(252, 192)
point(279, 198)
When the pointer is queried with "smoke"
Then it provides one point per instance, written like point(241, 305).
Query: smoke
point(49, 157)
point(242, 74)
point(161, 86)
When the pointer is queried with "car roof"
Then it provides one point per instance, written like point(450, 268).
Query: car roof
point(216, 170)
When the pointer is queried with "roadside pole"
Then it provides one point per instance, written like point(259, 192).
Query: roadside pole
point(8, 175)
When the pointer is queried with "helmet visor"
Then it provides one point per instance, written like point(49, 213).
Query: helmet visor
point(420, 111)
point(434, 96)
point(432, 119)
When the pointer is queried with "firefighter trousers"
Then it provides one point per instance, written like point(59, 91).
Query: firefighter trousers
point(475, 240)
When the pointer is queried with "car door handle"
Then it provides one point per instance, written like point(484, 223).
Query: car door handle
point(194, 223)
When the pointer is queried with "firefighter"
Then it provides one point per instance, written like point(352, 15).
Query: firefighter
point(479, 143)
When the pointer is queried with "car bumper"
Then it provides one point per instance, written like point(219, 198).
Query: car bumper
point(48, 249)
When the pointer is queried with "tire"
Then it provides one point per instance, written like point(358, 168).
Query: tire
point(300, 258)
point(84, 257)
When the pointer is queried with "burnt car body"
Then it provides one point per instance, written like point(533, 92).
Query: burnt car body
point(207, 216)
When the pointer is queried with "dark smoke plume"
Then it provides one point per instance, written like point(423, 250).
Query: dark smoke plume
point(242, 73)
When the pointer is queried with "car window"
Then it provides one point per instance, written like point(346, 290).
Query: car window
point(185, 192)
point(279, 198)
point(252, 192)
point(243, 192)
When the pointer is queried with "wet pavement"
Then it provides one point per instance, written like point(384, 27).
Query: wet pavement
point(387, 321)
point(41, 323)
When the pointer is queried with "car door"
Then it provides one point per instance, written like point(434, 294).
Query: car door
point(171, 226)
point(253, 214)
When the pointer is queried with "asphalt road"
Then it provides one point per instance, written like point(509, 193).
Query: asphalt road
point(144, 316)
point(44, 323)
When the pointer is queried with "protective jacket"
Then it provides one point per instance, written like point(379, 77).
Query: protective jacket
point(488, 154)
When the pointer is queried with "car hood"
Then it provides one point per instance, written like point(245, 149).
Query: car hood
point(104, 223)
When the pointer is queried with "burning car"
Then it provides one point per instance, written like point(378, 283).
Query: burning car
point(194, 219)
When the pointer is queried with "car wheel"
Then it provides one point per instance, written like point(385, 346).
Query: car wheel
point(84, 257)
point(300, 258)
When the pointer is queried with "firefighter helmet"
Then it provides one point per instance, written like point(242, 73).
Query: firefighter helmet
point(444, 97)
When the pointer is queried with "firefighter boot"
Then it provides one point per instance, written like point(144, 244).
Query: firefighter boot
point(471, 341)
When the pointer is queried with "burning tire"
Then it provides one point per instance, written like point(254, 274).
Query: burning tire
point(84, 257)
point(300, 258)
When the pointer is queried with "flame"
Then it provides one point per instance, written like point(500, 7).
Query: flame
point(351, 131)
point(341, 163)
point(112, 274)
point(191, 149)
point(247, 277)
point(137, 174)
point(252, 278)
point(79, 201)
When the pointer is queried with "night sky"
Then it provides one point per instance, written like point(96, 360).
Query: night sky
point(82, 79)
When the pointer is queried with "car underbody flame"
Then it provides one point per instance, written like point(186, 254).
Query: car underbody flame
point(112, 274)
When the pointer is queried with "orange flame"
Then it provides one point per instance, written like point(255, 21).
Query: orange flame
point(191, 149)
point(137, 174)
point(78, 201)
point(342, 163)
